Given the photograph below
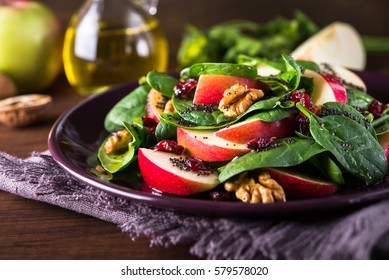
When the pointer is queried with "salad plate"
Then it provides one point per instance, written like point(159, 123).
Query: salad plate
point(77, 134)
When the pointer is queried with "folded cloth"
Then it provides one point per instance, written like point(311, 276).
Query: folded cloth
point(357, 234)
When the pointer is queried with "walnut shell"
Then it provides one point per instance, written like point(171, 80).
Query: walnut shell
point(24, 110)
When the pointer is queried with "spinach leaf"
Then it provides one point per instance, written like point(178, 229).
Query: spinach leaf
point(273, 115)
point(200, 115)
point(285, 81)
point(358, 98)
point(165, 131)
point(260, 61)
point(381, 125)
point(289, 152)
point(278, 64)
point(308, 65)
point(328, 167)
point(162, 82)
point(227, 40)
point(129, 107)
point(337, 108)
point(118, 161)
point(352, 145)
point(228, 69)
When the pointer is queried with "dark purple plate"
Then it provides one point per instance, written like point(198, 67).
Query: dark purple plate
point(76, 136)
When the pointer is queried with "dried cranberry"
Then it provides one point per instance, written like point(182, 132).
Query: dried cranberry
point(377, 108)
point(149, 123)
point(169, 146)
point(260, 144)
point(183, 88)
point(304, 99)
point(197, 165)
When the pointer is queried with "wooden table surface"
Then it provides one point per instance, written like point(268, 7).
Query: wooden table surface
point(35, 230)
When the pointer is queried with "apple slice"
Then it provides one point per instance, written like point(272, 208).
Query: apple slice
point(337, 44)
point(206, 146)
point(210, 87)
point(245, 131)
point(155, 104)
point(299, 185)
point(160, 173)
point(348, 77)
point(327, 88)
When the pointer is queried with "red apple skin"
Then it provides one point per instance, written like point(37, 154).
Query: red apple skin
point(300, 186)
point(245, 131)
point(160, 175)
point(211, 149)
point(210, 87)
point(154, 107)
point(327, 88)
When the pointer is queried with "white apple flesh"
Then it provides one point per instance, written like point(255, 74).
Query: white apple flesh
point(159, 173)
point(327, 88)
point(206, 146)
point(337, 44)
point(31, 44)
point(298, 185)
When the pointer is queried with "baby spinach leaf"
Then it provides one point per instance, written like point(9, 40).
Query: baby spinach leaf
point(118, 161)
point(328, 167)
point(352, 145)
point(337, 108)
point(289, 152)
point(165, 131)
point(162, 82)
point(285, 81)
point(129, 107)
point(228, 69)
point(174, 119)
point(200, 115)
point(264, 104)
point(273, 115)
point(260, 61)
point(381, 125)
point(308, 65)
point(358, 98)
point(278, 64)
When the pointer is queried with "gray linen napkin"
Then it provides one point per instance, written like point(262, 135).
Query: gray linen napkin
point(350, 235)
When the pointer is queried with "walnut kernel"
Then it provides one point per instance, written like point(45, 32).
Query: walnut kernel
point(237, 99)
point(246, 189)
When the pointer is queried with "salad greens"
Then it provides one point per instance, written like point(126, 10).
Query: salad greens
point(226, 41)
point(338, 140)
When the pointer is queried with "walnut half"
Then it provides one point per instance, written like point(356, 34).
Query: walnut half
point(266, 190)
point(237, 99)
point(117, 142)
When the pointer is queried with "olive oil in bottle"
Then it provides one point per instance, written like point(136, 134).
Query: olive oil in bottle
point(107, 44)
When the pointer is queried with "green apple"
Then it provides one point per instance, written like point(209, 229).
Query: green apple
point(30, 44)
